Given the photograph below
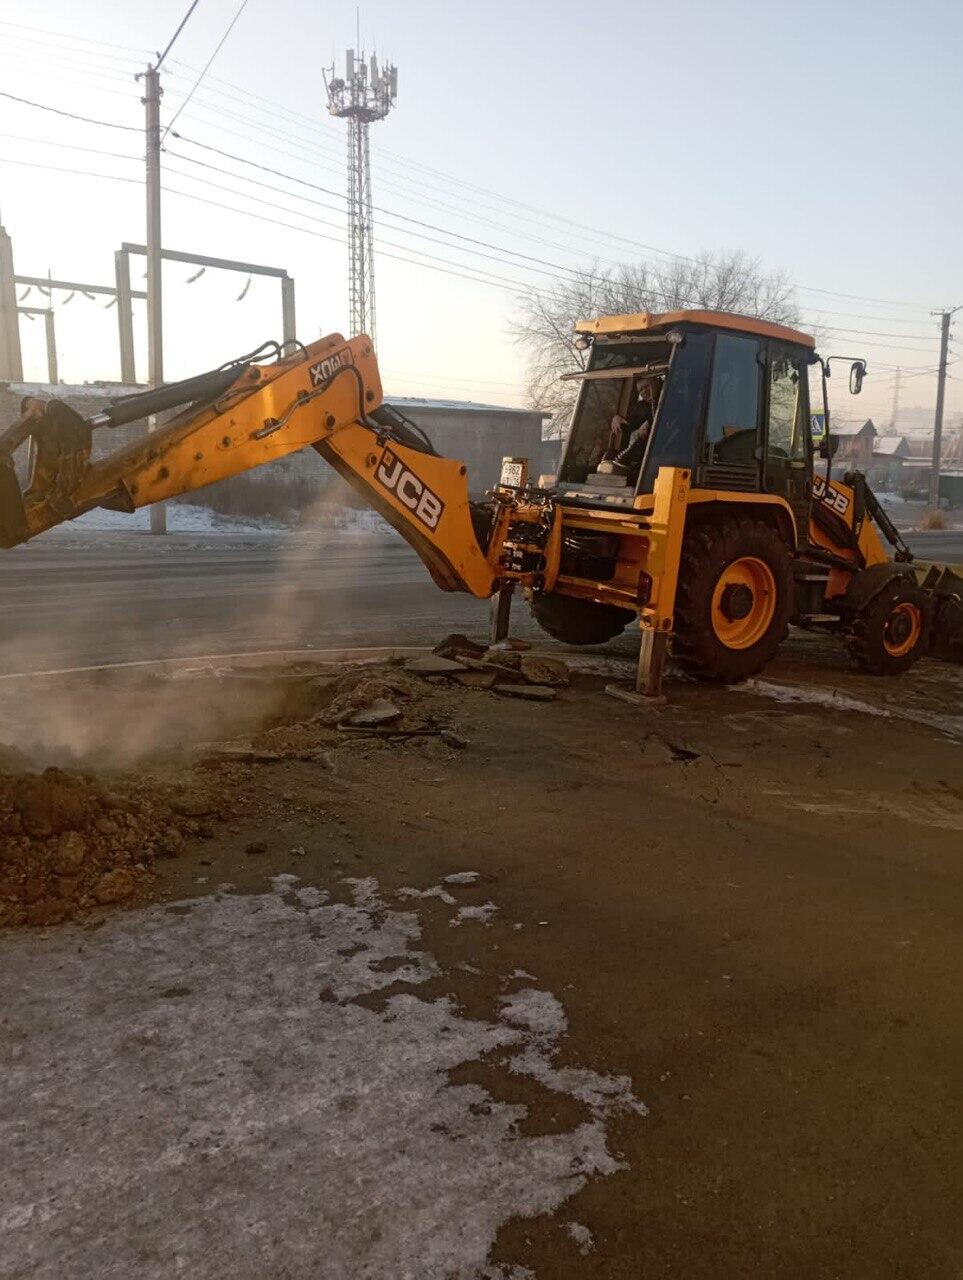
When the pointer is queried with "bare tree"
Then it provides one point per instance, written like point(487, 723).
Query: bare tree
point(710, 281)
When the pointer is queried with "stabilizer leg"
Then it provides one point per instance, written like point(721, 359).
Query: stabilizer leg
point(652, 653)
point(501, 610)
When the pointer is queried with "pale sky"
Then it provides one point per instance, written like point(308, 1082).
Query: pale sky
point(823, 139)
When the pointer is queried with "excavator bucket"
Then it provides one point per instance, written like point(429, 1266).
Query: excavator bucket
point(945, 583)
point(13, 517)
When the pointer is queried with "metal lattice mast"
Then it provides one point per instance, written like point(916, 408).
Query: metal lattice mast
point(364, 95)
point(367, 230)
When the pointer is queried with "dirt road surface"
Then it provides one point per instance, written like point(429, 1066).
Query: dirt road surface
point(600, 993)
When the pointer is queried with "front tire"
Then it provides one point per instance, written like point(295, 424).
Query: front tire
point(733, 599)
point(892, 630)
point(575, 621)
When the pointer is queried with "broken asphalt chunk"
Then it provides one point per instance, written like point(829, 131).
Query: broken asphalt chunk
point(433, 664)
point(378, 712)
point(546, 671)
point(533, 692)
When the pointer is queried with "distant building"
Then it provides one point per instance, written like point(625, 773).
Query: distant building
point(853, 444)
point(886, 465)
point(479, 435)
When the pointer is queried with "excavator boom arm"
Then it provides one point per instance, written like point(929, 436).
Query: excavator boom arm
point(323, 396)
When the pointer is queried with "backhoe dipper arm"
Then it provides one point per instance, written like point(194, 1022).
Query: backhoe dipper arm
point(322, 396)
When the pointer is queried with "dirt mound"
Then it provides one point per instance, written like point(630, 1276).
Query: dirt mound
point(69, 843)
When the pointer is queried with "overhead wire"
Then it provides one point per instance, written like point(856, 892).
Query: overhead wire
point(220, 45)
point(70, 146)
point(181, 25)
point(452, 235)
point(451, 179)
point(503, 199)
point(46, 31)
point(72, 115)
point(464, 270)
point(455, 235)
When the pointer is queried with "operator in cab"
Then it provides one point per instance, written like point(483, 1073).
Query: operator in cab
point(630, 434)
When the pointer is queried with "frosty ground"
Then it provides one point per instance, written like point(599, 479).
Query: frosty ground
point(599, 993)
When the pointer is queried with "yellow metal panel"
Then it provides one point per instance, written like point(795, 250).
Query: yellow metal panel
point(647, 322)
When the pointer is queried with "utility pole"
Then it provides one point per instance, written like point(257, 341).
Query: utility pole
point(895, 410)
point(945, 318)
point(155, 323)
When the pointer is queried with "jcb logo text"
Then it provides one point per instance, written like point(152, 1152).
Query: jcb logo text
point(409, 490)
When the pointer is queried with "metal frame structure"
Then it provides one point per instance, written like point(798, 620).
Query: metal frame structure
point(11, 359)
point(364, 95)
point(124, 293)
point(50, 335)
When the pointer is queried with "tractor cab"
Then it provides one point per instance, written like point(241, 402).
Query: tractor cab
point(724, 396)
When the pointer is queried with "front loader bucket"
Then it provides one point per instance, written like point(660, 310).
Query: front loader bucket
point(945, 583)
point(13, 517)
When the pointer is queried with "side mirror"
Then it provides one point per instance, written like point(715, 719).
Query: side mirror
point(857, 372)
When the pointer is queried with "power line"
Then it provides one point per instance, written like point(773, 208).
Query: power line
point(271, 204)
point(170, 43)
point(46, 31)
point(503, 199)
point(70, 146)
point(82, 173)
point(302, 142)
point(455, 235)
point(91, 88)
point(45, 59)
point(72, 115)
point(220, 44)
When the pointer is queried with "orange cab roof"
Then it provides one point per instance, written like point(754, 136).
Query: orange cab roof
point(644, 321)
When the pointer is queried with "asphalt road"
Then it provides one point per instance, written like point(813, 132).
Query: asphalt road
point(123, 597)
point(80, 600)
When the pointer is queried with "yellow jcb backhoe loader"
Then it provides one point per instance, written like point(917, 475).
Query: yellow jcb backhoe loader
point(691, 494)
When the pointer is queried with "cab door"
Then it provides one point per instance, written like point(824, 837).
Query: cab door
point(787, 449)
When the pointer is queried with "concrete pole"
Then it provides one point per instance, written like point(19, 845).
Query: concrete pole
point(947, 316)
point(51, 335)
point(155, 330)
point(289, 328)
point(125, 318)
point(11, 361)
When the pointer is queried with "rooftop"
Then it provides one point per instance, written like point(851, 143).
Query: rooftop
point(462, 406)
point(888, 444)
point(851, 429)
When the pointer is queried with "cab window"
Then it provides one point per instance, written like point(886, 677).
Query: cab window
point(732, 423)
point(786, 430)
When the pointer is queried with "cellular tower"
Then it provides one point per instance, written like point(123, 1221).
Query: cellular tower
point(367, 93)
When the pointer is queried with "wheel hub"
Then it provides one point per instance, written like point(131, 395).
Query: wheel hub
point(743, 603)
point(899, 629)
point(737, 601)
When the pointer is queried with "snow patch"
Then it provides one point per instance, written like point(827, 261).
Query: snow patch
point(244, 1119)
point(537, 1011)
point(462, 877)
point(483, 914)
point(582, 1237)
point(436, 891)
point(604, 1094)
point(182, 517)
point(951, 725)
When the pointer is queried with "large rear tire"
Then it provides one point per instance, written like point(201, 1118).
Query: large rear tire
point(733, 600)
point(575, 621)
point(892, 631)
